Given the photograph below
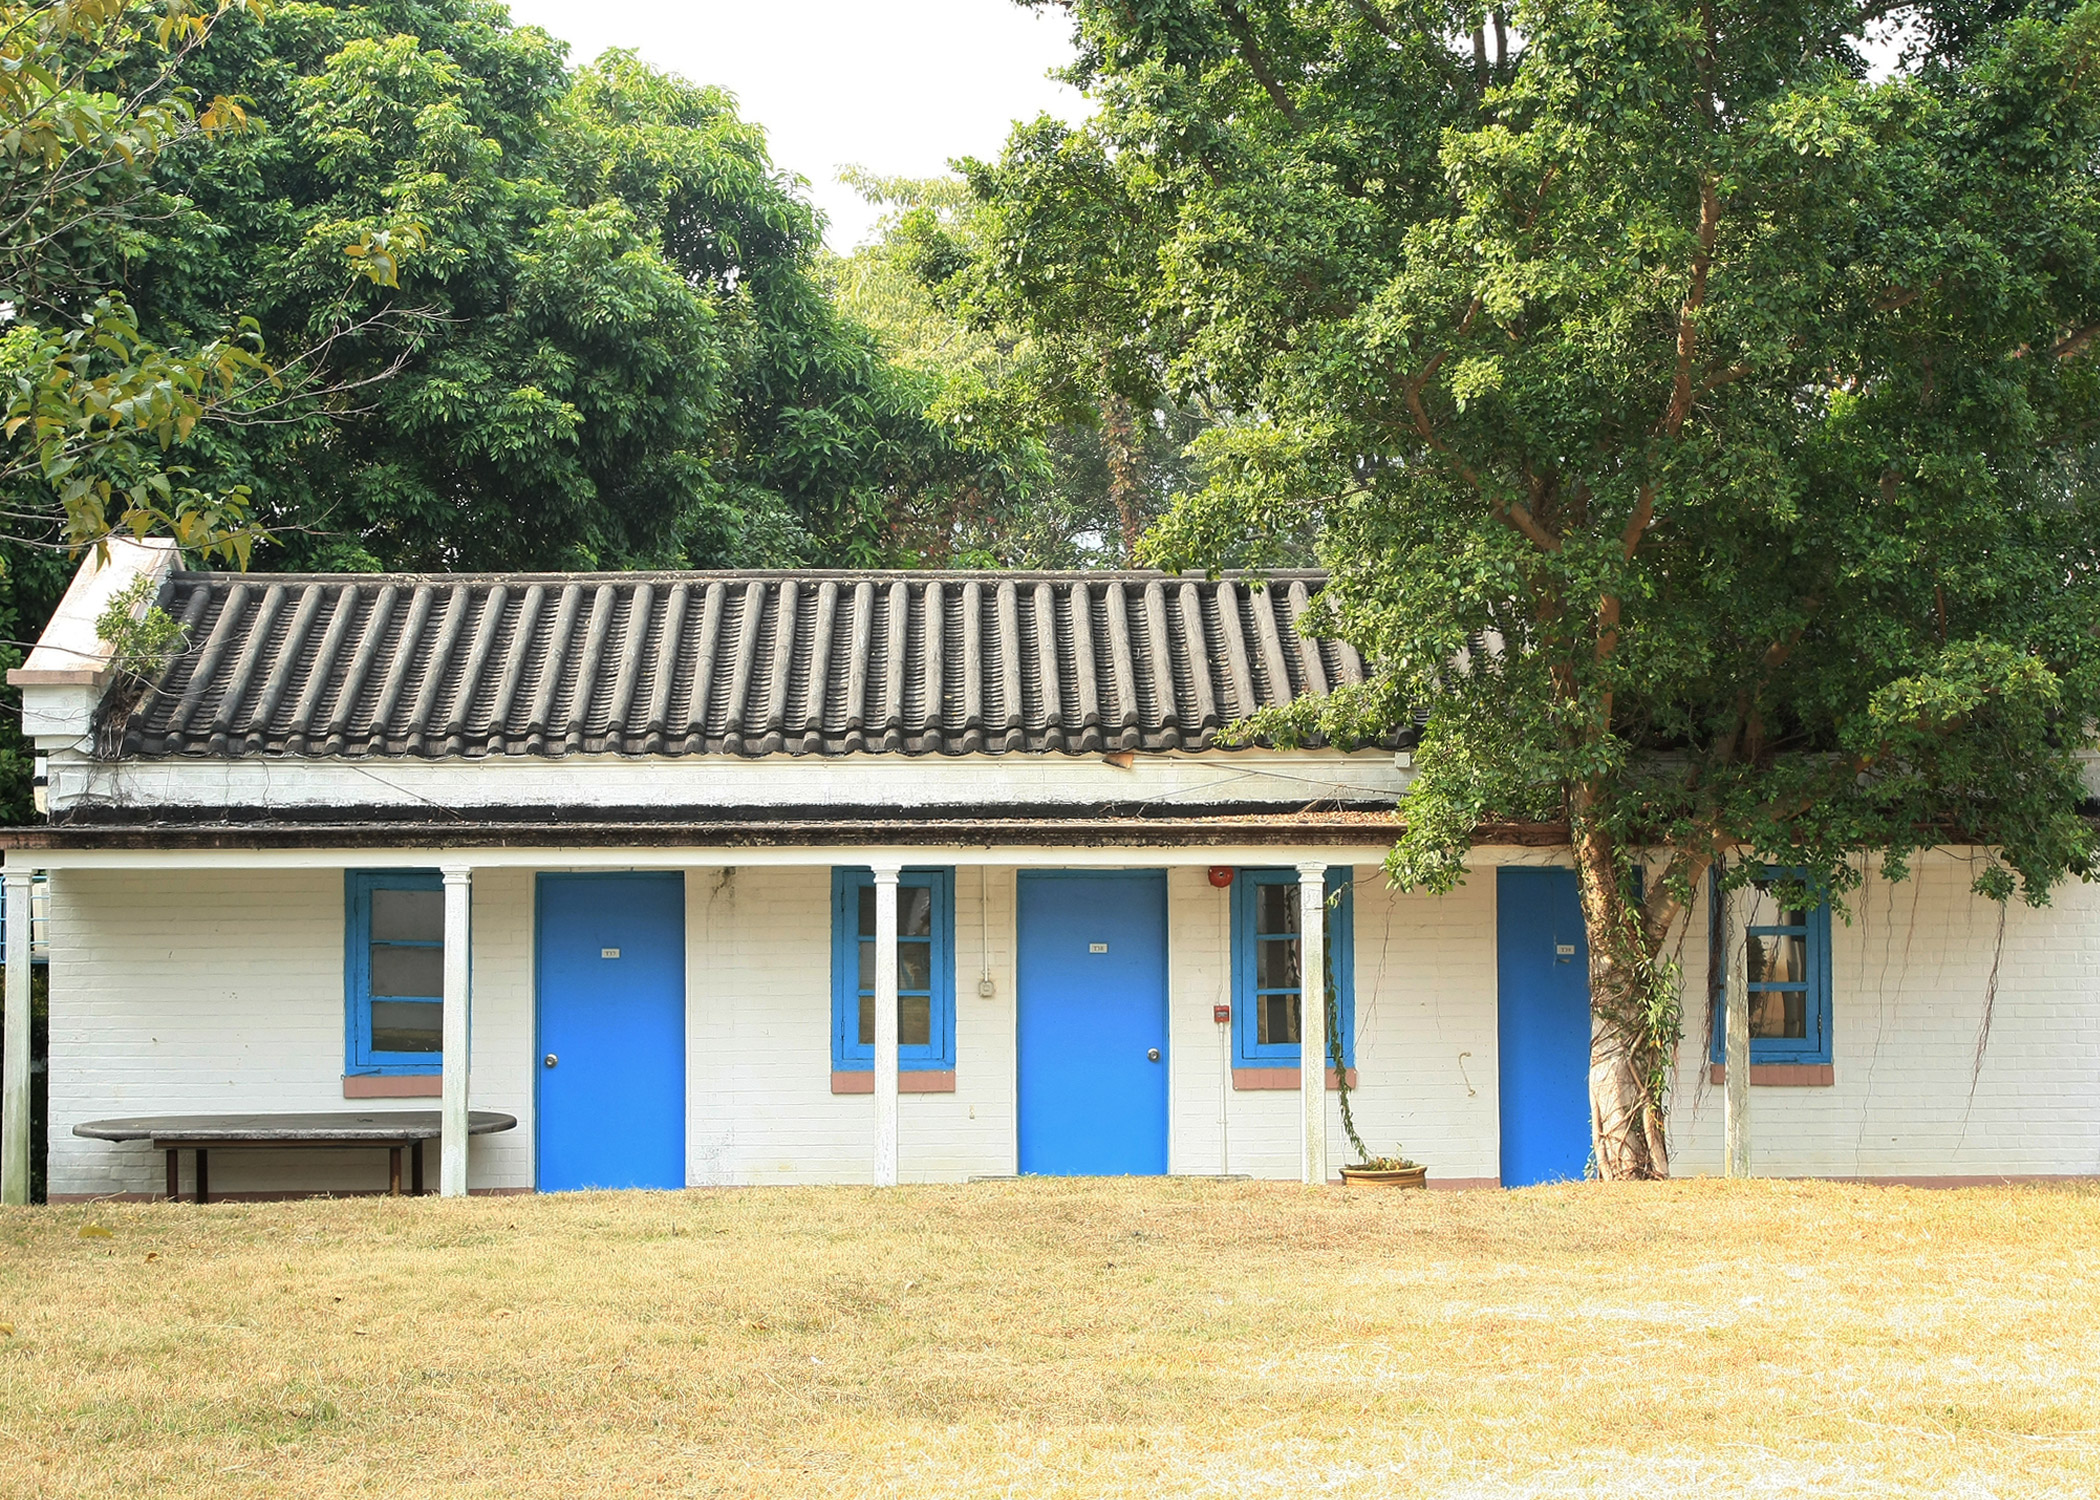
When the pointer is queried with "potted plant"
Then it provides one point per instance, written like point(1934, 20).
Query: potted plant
point(1368, 1170)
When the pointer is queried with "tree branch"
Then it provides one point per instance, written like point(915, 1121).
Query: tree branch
point(1250, 54)
point(2077, 343)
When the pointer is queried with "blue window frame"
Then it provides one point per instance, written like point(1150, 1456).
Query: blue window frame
point(1266, 966)
point(394, 971)
point(1788, 968)
point(925, 971)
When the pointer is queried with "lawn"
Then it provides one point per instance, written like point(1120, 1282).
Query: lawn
point(1043, 1338)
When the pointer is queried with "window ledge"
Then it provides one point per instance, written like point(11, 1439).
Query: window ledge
point(907, 1082)
point(1278, 1078)
point(393, 1086)
point(1781, 1075)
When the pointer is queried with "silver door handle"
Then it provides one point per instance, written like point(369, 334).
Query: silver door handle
point(1152, 1054)
point(550, 1059)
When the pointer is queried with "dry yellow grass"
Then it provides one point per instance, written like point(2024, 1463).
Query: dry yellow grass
point(1072, 1339)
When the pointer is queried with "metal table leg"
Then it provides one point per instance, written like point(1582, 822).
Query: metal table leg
point(174, 1173)
point(416, 1156)
point(203, 1176)
point(393, 1171)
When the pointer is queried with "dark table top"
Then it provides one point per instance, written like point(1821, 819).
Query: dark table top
point(336, 1126)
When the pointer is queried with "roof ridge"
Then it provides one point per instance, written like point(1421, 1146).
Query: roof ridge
point(765, 575)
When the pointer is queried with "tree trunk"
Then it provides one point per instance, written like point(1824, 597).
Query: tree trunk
point(1126, 480)
point(1627, 1065)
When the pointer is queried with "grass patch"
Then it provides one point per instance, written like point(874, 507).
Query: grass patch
point(1066, 1339)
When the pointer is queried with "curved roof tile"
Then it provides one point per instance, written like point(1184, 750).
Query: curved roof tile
point(741, 664)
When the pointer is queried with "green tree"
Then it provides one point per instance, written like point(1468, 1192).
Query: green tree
point(1112, 462)
point(608, 346)
point(1697, 423)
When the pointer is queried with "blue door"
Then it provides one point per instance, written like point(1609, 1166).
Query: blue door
point(611, 1061)
point(1543, 969)
point(1093, 1023)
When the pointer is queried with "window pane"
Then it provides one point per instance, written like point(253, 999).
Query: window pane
point(1276, 908)
point(914, 911)
point(1779, 1013)
point(408, 971)
point(867, 965)
point(1276, 964)
point(409, 916)
point(914, 966)
point(407, 1026)
point(914, 1021)
point(1778, 958)
point(1277, 1019)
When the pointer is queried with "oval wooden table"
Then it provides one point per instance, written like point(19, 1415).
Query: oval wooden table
point(366, 1130)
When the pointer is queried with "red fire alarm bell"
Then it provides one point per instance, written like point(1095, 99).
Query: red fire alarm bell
point(1221, 876)
point(1222, 1014)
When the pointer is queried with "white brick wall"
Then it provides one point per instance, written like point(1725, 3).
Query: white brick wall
point(223, 992)
point(206, 992)
point(1910, 974)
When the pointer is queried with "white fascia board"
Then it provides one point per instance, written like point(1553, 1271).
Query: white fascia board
point(1075, 857)
point(982, 783)
point(1372, 852)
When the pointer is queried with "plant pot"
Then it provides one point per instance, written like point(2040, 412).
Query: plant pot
point(1400, 1177)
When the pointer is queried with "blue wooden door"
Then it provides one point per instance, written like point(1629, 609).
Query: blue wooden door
point(611, 1057)
point(1543, 969)
point(1093, 1023)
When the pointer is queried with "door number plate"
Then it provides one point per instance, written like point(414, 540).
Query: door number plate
point(1097, 947)
point(608, 953)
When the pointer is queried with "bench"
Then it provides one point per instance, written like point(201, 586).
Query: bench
point(396, 1130)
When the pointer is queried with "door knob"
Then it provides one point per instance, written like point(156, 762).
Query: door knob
point(550, 1059)
point(1152, 1054)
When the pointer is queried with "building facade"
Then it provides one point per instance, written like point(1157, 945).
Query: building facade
point(714, 879)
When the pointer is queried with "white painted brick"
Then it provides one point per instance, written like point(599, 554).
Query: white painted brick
point(219, 991)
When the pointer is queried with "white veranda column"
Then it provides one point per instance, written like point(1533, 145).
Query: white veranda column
point(1735, 1046)
point(452, 1145)
point(1312, 1017)
point(14, 1089)
point(886, 1024)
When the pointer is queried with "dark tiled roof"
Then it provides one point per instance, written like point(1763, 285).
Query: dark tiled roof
point(724, 664)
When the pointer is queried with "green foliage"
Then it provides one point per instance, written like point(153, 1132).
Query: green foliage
point(141, 635)
point(607, 345)
point(1698, 427)
point(1107, 464)
point(93, 407)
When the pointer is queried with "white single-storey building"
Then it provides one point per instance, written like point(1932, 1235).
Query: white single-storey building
point(833, 877)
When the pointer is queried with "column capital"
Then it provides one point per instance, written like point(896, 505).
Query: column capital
point(887, 870)
point(1313, 870)
point(457, 874)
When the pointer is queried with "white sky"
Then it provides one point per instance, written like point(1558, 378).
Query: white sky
point(896, 86)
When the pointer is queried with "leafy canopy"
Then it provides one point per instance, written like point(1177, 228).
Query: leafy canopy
point(1697, 420)
point(608, 344)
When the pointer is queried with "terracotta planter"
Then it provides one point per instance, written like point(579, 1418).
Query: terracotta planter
point(1404, 1177)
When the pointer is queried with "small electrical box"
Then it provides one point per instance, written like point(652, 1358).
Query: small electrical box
point(1222, 1014)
